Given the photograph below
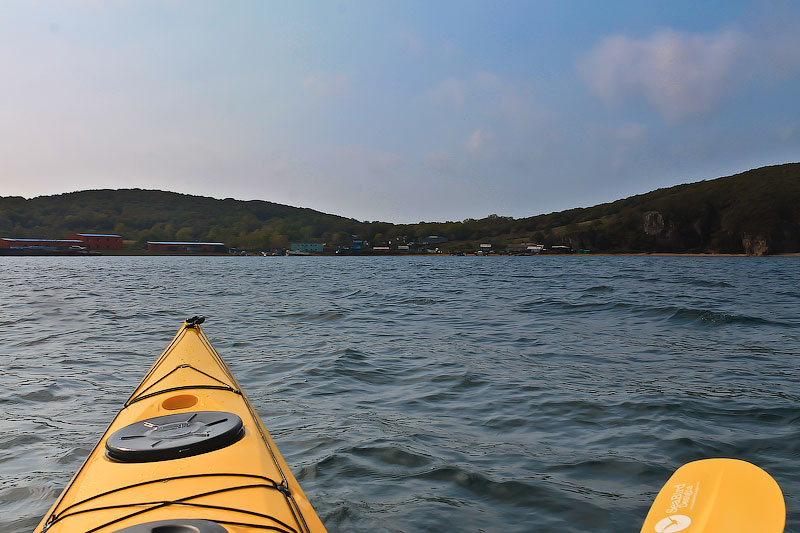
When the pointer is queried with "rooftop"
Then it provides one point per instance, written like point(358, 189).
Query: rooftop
point(41, 240)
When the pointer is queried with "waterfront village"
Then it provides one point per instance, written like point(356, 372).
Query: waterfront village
point(100, 243)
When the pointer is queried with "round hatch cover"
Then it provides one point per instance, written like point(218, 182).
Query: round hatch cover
point(173, 436)
point(176, 526)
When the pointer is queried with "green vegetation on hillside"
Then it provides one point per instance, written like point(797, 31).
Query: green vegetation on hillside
point(753, 212)
point(144, 215)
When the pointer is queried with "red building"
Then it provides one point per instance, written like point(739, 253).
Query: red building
point(99, 241)
point(190, 247)
point(43, 243)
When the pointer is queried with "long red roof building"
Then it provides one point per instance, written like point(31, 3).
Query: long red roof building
point(99, 241)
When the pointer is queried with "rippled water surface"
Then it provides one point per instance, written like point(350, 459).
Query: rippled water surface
point(512, 394)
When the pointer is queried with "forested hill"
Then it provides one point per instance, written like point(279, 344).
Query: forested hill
point(147, 215)
point(757, 212)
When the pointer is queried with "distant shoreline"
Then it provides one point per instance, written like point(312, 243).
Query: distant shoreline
point(144, 253)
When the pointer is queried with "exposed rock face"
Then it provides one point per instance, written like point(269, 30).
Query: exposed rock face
point(653, 223)
point(755, 244)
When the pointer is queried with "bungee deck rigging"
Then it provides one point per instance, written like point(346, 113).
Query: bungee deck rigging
point(186, 451)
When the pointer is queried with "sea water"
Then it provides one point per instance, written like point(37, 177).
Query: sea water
point(424, 394)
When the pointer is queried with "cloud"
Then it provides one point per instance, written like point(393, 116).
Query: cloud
point(616, 147)
point(450, 49)
point(681, 75)
point(786, 132)
point(451, 92)
point(631, 133)
point(481, 143)
point(685, 75)
point(492, 124)
point(411, 39)
point(328, 84)
point(443, 162)
point(375, 162)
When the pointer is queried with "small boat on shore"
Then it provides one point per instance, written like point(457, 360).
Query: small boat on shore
point(187, 453)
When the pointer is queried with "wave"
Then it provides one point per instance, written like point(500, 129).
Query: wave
point(706, 317)
point(516, 493)
point(419, 301)
point(391, 455)
point(714, 318)
point(16, 321)
point(42, 395)
point(45, 339)
point(709, 283)
point(74, 456)
point(563, 305)
point(599, 289)
point(113, 315)
point(323, 316)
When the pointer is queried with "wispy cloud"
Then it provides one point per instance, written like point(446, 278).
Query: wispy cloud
point(328, 84)
point(681, 75)
point(450, 92)
point(410, 38)
point(450, 49)
point(615, 147)
point(786, 132)
point(444, 163)
point(481, 143)
point(368, 161)
point(685, 75)
point(499, 123)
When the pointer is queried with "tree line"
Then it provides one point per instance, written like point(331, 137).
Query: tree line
point(726, 215)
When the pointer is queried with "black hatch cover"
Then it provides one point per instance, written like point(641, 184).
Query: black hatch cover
point(174, 436)
point(176, 526)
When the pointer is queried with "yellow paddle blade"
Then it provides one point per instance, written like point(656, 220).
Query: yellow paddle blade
point(718, 496)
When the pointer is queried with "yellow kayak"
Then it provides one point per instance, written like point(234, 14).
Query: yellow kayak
point(186, 454)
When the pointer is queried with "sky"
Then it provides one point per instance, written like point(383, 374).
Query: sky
point(399, 111)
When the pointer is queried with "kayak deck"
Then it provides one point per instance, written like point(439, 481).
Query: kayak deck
point(244, 485)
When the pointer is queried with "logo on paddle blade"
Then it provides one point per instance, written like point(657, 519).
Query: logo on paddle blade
point(673, 524)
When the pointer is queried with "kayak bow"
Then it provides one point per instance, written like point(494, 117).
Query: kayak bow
point(187, 453)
